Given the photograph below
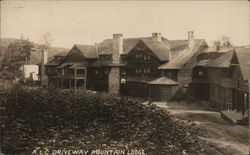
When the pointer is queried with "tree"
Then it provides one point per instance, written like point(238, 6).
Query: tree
point(45, 42)
point(17, 54)
point(225, 41)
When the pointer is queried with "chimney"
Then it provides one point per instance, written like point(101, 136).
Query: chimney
point(96, 49)
point(190, 39)
point(217, 45)
point(44, 58)
point(117, 48)
point(156, 36)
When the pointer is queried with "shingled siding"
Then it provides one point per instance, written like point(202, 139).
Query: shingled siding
point(220, 87)
point(162, 92)
point(240, 90)
point(137, 89)
point(114, 80)
point(97, 80)
point(142, 64)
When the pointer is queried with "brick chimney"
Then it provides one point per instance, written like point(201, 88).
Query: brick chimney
point(96, 49)
point(190, 39)
point(44, 56)
point(156, 36)
point(217, 45)
point(44, 60)
point(117, 48)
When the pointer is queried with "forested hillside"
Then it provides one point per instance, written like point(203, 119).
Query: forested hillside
point(35, 56)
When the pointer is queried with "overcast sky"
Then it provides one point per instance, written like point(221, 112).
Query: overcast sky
point(88, 22)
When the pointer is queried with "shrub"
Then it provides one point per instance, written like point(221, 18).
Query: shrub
point(65, 119)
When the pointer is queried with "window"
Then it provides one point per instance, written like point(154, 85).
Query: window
point(162, 73)
point(136, 71)
point(96, 71)
point(123, 80)
point(123, 72)
point(148, 70)
point(106, 72)
point(140, 55)
point(200, 73)
point(140, 71)
point(169, 74)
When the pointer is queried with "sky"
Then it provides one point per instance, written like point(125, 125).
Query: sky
point(88, 22)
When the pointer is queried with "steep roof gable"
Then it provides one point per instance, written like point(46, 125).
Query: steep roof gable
point(179, 58)
point(160, 49)
point(106, 46)
point(88, 51)
point(223, 61)
point(243, 55)
point(163, 81)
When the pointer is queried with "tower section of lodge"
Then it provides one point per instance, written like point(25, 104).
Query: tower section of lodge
point(155, 67)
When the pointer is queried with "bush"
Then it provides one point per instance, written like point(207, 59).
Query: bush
point(72, 120)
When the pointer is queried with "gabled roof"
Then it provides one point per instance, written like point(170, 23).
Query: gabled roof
point(61, 54)
point(88, 51)
point(243, 55)
point(223, 61)
point(140, 79)
point(53, 62)
point(177, 45)
point(160, 49)
point(203, 62)
point(163, 49)
point(179, 58)
point(163, 81)
point(106, 46)
point(222, 49)
point(72, 65)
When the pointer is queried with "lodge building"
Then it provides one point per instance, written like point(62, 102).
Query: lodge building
point(152, 66)
point(222, 77)
point(155, 67)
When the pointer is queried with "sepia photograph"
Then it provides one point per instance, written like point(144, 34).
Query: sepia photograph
point(137, 77)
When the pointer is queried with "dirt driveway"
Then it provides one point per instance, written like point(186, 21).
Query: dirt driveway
point(223, 136)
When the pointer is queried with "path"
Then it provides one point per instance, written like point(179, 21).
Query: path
point(228, 138)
